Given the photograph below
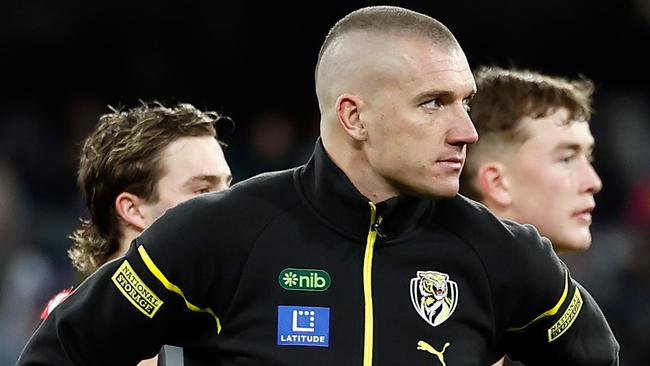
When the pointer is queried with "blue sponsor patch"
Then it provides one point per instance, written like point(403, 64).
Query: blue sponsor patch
point(303, 326)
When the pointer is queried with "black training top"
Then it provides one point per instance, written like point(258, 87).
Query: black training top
point(298, 268)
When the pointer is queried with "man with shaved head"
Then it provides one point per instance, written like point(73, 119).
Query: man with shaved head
point(366, 255)
point(393, 88)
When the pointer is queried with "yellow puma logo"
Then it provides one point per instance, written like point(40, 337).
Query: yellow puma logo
point(424, 346)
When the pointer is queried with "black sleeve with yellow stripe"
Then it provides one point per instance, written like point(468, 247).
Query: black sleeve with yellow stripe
point(171, 287)
point(141, 317)
point(83, 331)
point(553, 320)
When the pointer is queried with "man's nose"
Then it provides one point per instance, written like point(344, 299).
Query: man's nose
point(463, 131)
point(592, 183)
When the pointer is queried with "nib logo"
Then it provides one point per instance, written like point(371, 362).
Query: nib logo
point(299, 279)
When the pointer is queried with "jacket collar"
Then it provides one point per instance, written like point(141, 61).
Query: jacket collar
point(329, 191)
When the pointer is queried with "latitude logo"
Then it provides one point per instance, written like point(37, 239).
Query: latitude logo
point(301, 279)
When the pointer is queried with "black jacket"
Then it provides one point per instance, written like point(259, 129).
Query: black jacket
point(298, 268)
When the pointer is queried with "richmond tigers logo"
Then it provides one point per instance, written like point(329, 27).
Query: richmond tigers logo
point(434, 296)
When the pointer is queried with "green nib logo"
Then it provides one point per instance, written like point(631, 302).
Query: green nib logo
point(289, 279)
point(299, 279)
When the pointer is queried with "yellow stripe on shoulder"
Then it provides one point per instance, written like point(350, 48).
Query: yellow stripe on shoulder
point(567, 319)
point(550, 312)
point(173, 288)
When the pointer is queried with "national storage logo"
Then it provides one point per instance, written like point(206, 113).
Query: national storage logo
point(132, 287)
point(300, 279)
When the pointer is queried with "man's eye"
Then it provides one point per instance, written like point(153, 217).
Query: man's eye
point(432, 104)
point(467, 104)
point(567, 158)
point(202, 190)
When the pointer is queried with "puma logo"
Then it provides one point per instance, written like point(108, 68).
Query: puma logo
point(424, 346)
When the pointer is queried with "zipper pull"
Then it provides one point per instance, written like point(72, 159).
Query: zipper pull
point(378, 229)
point(375, 220)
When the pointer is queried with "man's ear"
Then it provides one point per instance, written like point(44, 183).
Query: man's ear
point(347, 111)
point(129, 208)
point(494, 184)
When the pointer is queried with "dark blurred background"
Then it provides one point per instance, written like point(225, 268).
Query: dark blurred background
point(62, 63)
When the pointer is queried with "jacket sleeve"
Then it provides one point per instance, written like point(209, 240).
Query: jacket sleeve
point(553, 320)
point(155, 294)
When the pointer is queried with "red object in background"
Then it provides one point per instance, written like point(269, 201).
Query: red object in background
point(638, 204)
point(54, 301)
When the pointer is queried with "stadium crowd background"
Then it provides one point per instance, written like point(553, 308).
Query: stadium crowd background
point(62, 63)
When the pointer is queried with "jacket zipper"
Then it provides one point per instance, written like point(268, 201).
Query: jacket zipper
point(367, 285)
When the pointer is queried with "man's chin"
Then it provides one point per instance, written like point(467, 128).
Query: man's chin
point(573, 245)
point(446, 193)
point(442, 191)
point(433, 192)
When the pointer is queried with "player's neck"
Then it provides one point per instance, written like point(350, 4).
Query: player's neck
point(356, 167)
point(128, 235)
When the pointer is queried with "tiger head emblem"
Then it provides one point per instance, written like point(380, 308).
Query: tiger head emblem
point(434, 296)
